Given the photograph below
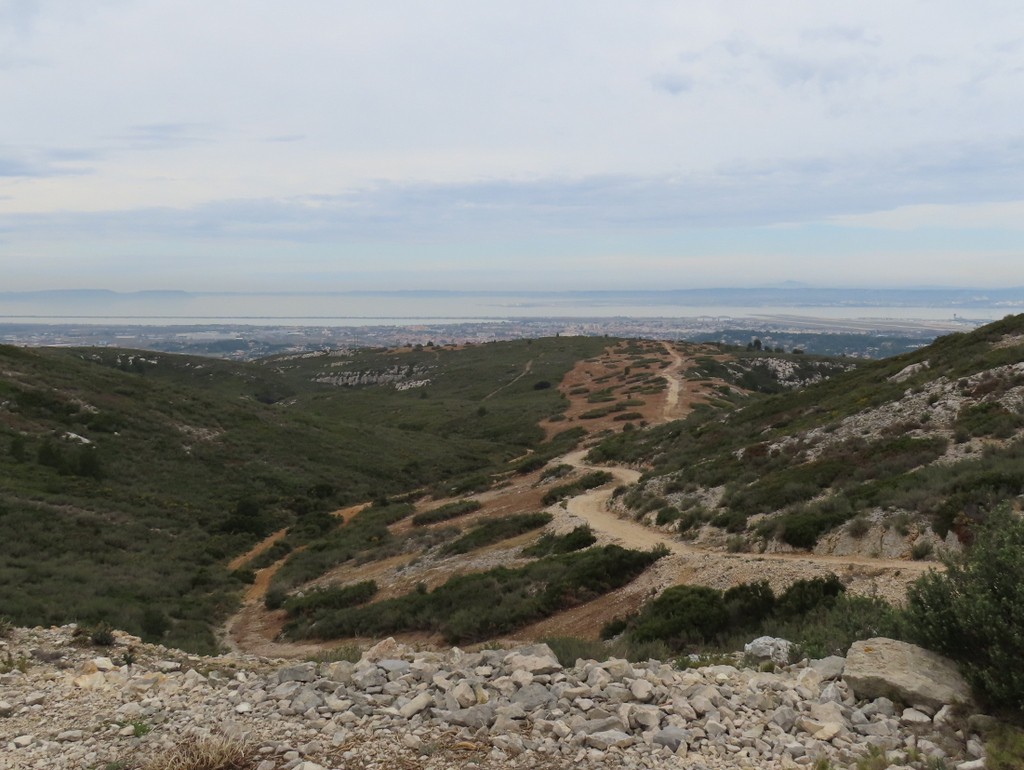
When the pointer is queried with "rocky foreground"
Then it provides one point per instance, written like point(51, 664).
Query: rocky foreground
point(66, 704)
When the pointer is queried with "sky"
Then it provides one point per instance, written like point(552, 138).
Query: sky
point(255, 145)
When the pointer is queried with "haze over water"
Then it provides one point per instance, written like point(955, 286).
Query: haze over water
point(403, 308)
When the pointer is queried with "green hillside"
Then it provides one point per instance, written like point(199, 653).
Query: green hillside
point(933, 436)
point(128, 479)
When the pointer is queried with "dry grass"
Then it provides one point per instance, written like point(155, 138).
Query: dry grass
point(214, 753)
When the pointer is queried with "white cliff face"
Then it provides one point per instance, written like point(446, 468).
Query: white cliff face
point(402, 377)
point(79, 706)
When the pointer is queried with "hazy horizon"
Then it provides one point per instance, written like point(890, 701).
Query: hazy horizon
point(403, 307)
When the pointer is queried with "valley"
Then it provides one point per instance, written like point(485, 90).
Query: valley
point(499, 493)
point(255, 629)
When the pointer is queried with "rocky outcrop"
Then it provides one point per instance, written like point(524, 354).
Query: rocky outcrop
point(887, 668)
point(75, 706)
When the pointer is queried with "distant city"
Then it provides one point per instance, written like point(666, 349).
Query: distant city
point(863, 323)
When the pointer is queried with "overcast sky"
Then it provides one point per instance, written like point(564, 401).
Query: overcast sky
point(336, 144)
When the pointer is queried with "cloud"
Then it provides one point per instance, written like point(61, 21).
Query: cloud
point(672, 83)
point(163, 136)
point(838, 33)
point(1008, 215)
point(847, 191)
point(42, 163)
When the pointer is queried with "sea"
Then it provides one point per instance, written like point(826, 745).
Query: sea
point(408, 308)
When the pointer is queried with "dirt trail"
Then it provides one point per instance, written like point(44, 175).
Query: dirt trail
point(593, 506)
point(526, 370)
point(675, 384)
point(257, 549)
point(254, 629)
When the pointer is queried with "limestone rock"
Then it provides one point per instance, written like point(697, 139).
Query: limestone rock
point(609, 738)
point(672, 737)
point(769, 648)
point(829, 668)
point(882, 667)
point(385, 649)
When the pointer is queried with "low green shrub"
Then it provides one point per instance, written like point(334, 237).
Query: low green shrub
point(494, 530)
point(580, 538)
point(483, 605)
point(973, 612)
point(102, 635)
point(582, 484)
point(568, 648)
point(446, 512)
point(1004, 748)
point(331, 598)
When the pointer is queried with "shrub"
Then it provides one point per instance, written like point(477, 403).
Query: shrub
point(749, 603)
point(582, 484)
point(1004, 749)
point(921, 550)
point(495, 530)
point(805, 595)
point(274, 598)
point(859, 527)
point(217, 753)
point(331, 598)
point(580, 538)
point(483, 605)
point(532, 463)
point(974, 611)
point(681, 615)
point(102, 635)
point(667, 515)
point(446, 512)
point(568, 648)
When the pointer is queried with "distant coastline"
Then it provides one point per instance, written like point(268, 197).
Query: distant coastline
point(399, 308)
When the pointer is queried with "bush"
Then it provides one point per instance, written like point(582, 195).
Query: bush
point(974, 611)
point(568, 648)
point(682, 615)
point(582, 484)
point(580, 538)
point(494, 530)
point(446, 512)
point(102, 635)
point(214, 753)
point(805, 595)
point(483, 605)
point(274, 598)
point(1004, 749)
point(921, 550)
point(749, 603)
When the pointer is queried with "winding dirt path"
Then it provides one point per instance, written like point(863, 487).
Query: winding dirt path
point(675, 385)
point(526, 370)
point(254, 629)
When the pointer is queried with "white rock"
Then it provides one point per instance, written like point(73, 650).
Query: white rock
point(769, 648)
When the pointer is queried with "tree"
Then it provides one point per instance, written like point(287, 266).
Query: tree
point(974, 611)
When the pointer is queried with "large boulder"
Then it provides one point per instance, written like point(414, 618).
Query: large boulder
point(882, 667)
point(769, 648)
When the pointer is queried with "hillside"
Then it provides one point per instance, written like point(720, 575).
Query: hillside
point(512, 491)
point(129, 479)
point(904, 454)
